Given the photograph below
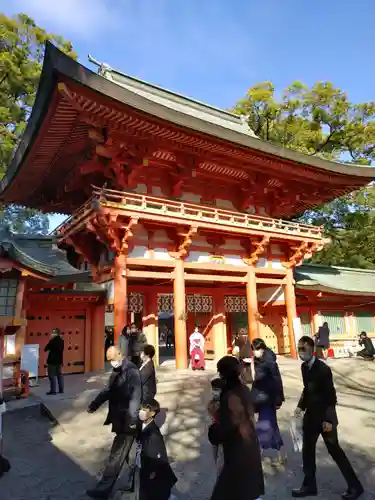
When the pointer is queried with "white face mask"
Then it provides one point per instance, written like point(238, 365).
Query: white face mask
point(143, 414)
point(116, 364)
point(258, 353)
point(305, 356)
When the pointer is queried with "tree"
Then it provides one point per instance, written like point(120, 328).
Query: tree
point(21, 57)
point(322, 121)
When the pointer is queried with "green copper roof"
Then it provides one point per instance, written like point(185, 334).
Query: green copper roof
point(341, 280)
point(177, 102)
point(38, 253)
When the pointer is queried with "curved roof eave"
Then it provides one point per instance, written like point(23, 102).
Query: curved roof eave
point(57, 63)
point(321, 288)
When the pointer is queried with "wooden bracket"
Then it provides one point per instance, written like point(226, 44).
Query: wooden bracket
point(259, 248)
point(185, 243)
point(303, 251)
point(128, 234)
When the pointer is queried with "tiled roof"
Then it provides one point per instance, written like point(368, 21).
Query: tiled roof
point(39, 253)
point(340, 280)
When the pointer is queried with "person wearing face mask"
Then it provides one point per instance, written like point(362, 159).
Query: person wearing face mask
point(318, 402)
point(137, 340)
point(124, 396)
point(156, 477)
point(268, 395)
point(147, 370)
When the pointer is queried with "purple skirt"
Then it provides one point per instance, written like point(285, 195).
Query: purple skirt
point(267, 429)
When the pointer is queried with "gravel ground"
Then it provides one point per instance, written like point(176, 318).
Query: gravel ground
point(60, 462)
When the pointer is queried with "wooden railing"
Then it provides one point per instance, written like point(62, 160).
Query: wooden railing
point(145, 204)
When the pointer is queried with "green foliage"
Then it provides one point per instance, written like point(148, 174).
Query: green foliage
point(24, 220)
point(21, 58)
point(322, 121)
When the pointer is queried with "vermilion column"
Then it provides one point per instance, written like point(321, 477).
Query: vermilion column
point(120, 303)
point(150, 321)
point(291, 310)
point(179, 316)
point(252, 304)
point(219, 326)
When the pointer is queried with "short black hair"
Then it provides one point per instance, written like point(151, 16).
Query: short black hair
point(149, 350)
point(305, 339)
point(151, 404)
point(364, 333)
point(229, 367)
point(217, 383)
point(57, 331)
point(258, 344)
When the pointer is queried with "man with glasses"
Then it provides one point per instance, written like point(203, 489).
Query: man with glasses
point(318, 402)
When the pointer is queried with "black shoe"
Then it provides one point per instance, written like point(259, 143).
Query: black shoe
point(61, 392)
point(94, 493)
point(305, 491)
point(50, 393)
point(352, 493)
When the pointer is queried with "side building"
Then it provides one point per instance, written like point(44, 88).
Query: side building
point(39, 291)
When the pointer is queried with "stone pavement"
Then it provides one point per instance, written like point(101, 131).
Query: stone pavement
point(56, 462)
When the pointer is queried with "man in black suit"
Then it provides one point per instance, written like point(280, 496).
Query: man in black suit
point(55, 349)
point(318, 401)
point(147, 371)
point(124, 396)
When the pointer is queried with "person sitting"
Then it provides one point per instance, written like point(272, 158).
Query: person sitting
point(368, 350)
point(147, 370)
point(156, 477)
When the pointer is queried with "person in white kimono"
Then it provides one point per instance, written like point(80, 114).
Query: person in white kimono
point(197, 350)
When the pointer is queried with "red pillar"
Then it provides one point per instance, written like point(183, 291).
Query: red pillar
point(291, 309)
point(252, 304)
point(120, 303)
point(179, 316)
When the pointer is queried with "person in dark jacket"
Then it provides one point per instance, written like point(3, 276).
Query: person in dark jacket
point(124, 396)
point(55, 349)
point(368, 350)
point(147, 370)
point(268, 394)
point(156, 477)
point(318, 402)
point(241, 476)
point(136, 341)
point(322, 341)
point(244, 354)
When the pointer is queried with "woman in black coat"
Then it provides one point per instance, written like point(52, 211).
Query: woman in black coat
point(268, 394)
point(241, 476)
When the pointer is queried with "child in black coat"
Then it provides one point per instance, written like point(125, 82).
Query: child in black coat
point(156, 477)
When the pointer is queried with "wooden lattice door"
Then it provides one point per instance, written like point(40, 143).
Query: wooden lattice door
point(72, 327)
point(273, 329)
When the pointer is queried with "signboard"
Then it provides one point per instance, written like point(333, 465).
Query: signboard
point(30, 359)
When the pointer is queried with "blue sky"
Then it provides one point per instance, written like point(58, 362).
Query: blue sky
point(214, 50)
